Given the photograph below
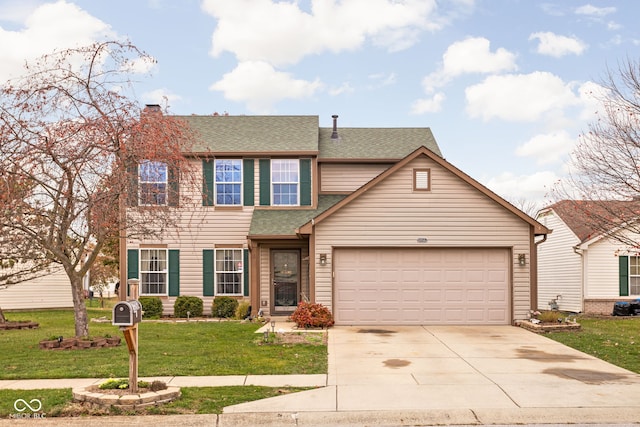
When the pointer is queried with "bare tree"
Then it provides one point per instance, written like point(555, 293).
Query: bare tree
point(70, 141)
point(604, 185)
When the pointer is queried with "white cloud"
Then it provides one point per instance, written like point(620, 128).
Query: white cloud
point(519, 97)
point(282, 33)
point(472, 55)
point(50, 26)
point(428, 105)
point(261, 86)
point(342, 89)
point(533, 188)
point(556, 45)
point(591, 10)
point(548, 148)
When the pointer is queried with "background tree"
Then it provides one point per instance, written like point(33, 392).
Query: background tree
point(70, 136)
point(604, 184)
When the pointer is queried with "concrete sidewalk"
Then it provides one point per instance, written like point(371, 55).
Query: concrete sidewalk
point(319, 380)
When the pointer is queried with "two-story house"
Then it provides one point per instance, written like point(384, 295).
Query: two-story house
point(371, 222)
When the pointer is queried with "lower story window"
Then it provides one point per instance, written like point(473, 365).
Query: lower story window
point(634, 275)
point(153, 272)
point(229, 271)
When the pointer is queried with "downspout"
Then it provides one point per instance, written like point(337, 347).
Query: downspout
point(580, 252)
point(534, 274)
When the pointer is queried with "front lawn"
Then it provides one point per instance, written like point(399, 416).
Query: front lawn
point(613, 339)
point(165, 349)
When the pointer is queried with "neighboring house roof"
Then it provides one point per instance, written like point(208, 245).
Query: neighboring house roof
point(588, 219)
point(284, 222)
point(254, 134)
point(374, 143)
point(538, 228)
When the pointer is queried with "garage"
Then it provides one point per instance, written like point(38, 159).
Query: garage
point(407, 286)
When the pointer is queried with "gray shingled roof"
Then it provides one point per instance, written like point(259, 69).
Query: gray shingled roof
point(254, 134)
point(283, 222)
point(375, 143)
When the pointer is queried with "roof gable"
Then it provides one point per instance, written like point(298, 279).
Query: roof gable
point(538, 228)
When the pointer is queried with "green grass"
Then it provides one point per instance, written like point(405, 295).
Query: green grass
point(615, 340)
point(165, 349)
point(194, 400)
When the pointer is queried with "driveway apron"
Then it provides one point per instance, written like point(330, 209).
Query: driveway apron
point(417, 368)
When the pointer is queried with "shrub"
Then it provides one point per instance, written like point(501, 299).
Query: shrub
point(242, 310)
point(549, 316)
point(185, 304)
point(308, 315)
point(151, 307)
point(224, 307)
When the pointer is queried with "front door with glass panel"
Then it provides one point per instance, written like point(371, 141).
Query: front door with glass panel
point(286, 280)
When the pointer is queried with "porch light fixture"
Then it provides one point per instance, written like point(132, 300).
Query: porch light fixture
point(522, 260)
point(323, 259)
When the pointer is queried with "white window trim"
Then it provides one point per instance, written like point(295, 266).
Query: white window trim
point(297, 183)
point(633, 275)
point(216, 272)
point(215, 183)
point(165, 272)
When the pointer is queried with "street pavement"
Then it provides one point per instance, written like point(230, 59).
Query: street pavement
point(418, 376)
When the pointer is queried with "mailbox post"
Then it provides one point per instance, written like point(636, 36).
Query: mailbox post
point(127, 315)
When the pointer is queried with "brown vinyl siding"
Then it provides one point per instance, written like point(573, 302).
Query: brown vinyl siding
point(348, 177)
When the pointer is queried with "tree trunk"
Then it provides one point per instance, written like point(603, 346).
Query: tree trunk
point(2, 319)
point(81, 318)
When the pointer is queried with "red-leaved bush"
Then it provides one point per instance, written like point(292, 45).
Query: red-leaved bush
point(309, 315)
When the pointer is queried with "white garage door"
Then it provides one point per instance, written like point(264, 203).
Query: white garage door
point(421, 286)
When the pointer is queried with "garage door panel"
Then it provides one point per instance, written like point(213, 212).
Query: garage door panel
point(422, 286)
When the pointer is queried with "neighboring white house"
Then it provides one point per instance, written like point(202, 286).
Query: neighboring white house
point(52, 290)
point(580, 269)
point(49, 291)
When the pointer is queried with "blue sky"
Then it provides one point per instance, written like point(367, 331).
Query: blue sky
point(506, 86)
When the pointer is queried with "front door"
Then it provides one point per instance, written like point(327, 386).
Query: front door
point(286, 280)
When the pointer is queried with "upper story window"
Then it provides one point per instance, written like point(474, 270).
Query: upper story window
point(285, 182)
point(228, 182)
point(152, 178)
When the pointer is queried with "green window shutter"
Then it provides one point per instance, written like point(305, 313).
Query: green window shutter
point(174, 272)
point(305, 182)
point(248, 184)
point(245, 270)
point(207, 182)
point(132, 266)
point(132, 190)
point(265, 182)
point(173, 197)
point(207, 272)
point(624, 275)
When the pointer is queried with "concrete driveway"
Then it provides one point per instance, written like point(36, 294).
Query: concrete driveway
point(480, 370)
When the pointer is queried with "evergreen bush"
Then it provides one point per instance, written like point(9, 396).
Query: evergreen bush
point(190, 304)
point(224, 307)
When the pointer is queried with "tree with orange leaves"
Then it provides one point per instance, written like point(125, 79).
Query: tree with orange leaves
point(70, 138)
